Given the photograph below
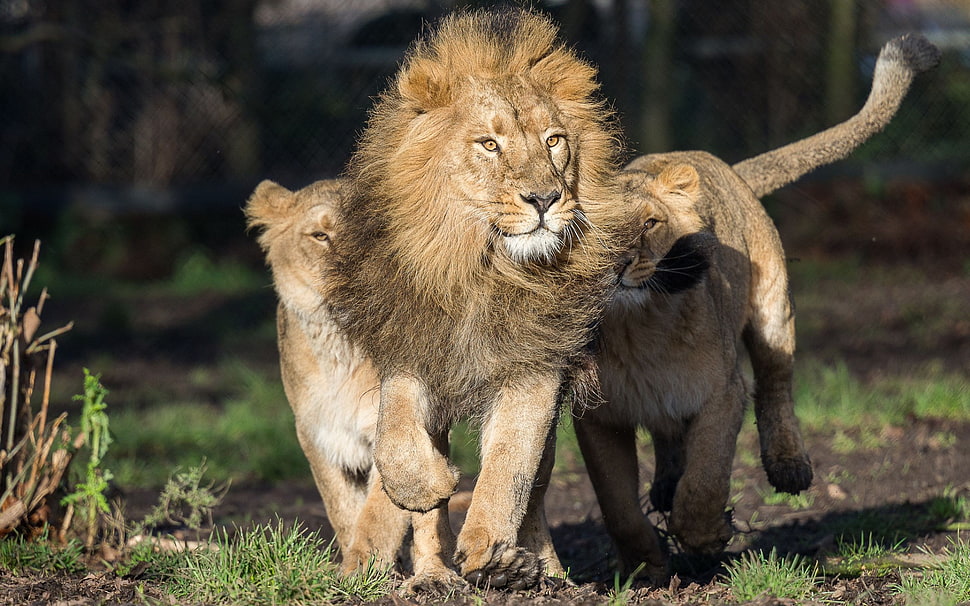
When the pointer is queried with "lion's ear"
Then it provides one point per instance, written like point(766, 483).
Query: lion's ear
point(269, 203)
point(424, 84)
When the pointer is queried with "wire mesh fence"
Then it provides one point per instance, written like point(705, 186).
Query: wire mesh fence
point(164, 94)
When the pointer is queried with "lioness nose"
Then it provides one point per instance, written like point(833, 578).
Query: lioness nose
point(542, 202)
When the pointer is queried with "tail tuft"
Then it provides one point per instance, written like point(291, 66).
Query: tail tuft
point(912, 49)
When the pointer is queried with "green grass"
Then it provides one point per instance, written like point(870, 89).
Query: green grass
point(20, 555)
point(755, 575)
point(830, 396)
point(863, 554)
point(946, 584)
point(272, 564)
point(251, 436)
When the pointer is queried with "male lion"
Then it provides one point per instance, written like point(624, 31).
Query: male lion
point(708, 274)
point(481, 226)
point(330, 384)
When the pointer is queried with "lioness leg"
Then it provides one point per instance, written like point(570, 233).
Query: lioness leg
point(698, 518)
point(434, 544)
point(343, 493)
point(379, 530)
point(610, 454)
point(416, 475)
point(513, 440)
point(534, 534)
point(669, 457)
point(770, 341)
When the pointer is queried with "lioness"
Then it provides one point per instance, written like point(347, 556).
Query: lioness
point(481, 230)
point(708, 274)
point(331, 386)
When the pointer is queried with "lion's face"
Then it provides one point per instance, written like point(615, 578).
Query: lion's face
point(298, 231)
point(673, 250)
point(517, 169)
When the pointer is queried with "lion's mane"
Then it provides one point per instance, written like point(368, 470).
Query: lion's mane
point(422, 283)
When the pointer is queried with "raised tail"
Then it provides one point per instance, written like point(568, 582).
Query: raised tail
point(899, 62)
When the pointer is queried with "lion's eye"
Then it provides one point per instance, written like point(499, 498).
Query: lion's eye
point(553, 140)
point(320, 236)
point(490, 145)
point(649, 224)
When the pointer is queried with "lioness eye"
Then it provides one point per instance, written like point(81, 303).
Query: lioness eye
point(320, 236)
point(490, 144)
point(649, 224)
point(553, 140)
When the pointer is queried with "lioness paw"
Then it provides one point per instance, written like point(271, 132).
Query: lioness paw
point(439, 582)
point(788, 474)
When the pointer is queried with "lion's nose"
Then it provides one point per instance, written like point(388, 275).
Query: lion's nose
point(542, 202)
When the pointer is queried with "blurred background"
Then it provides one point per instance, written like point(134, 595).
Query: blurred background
point(133, 131)
point(115, 110)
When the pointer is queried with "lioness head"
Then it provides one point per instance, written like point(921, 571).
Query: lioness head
point(672, 253)
point(298, 229)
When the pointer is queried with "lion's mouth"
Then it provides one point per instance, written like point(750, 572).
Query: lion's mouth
point(538, 245)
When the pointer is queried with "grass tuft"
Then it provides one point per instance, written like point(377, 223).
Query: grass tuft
point(273, 564)
point(948, 584)
point(755, 575)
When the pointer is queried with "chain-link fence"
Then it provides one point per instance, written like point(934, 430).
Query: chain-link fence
point(165, 94)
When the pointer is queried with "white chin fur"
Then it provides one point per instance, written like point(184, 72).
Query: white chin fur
point(539, 246)
point(630, 298)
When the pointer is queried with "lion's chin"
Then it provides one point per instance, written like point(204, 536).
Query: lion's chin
point(539, 246)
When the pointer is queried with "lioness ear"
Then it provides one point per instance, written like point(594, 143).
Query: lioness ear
point(679, 179)
point(268, 203)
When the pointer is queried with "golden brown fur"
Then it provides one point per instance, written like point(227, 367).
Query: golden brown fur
point(708, 274)
point(481, 226)
point(330, 384)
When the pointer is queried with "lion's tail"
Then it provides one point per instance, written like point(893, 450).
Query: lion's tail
point(899, 62)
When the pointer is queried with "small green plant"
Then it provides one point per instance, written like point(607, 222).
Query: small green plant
point(620, 594)
point(273, 564)
point(755, 575)
point(946, 584)
point(185, 501)
point(89, 498)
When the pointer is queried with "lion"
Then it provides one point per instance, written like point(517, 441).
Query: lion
point(707, 275)
point(330, 384)
point(481, 226)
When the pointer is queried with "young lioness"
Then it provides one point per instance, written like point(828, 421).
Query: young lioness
point(331, 386)
point(706, 282)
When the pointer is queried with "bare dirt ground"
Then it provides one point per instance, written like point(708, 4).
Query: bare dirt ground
point(889, 489)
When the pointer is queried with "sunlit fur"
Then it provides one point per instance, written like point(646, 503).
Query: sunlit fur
point(445, 275)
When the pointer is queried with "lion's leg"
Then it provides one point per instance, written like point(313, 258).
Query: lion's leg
point(342, 491)
point(770, 340)
point(610, 454)
point(379, 530)
point(417, 476)
point(698, 518)
point(669, 458)
point(513, 439)
point(534, 534)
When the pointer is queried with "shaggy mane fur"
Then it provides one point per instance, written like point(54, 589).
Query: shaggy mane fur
point(422, 283)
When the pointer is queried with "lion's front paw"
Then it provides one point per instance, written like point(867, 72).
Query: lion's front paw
point(425, 492)
point(788, 474)
point(498, 564)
